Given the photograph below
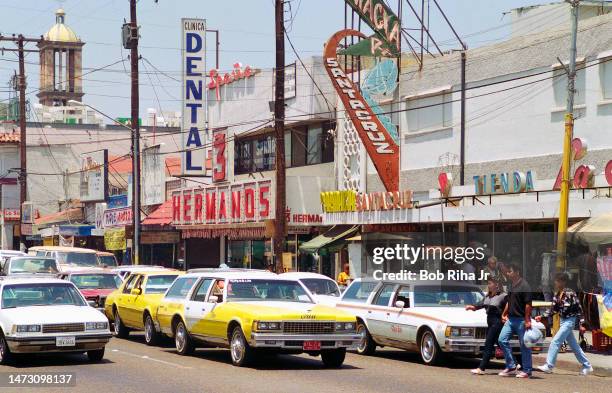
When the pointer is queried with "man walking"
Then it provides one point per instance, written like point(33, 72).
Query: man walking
point(517, 317)
point(566, 304)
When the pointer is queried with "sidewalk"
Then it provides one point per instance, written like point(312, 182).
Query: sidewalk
point(602, 363)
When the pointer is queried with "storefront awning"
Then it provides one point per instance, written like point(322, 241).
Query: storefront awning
point(70, 215)
point(160, 216)
point(334, 235)
point(592, 232)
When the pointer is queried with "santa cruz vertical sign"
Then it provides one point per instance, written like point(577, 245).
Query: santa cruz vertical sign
point(381, 148)
point(194, 112)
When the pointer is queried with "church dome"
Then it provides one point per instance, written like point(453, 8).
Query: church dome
point(59, 31)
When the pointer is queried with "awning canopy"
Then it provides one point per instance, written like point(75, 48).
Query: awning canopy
point(70, 215)
point(332, 237)
point(592, 232)
point(160, 216)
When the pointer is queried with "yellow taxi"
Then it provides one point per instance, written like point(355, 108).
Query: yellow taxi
point(134, 304)
point(251, 312)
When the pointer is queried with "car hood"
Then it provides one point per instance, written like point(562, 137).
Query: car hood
point(52, 314)
point(96, 292)
point(454, 316)
point(289, 310)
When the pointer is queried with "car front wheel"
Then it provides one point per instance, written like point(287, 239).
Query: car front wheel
point(240, 350)
point(119, 328)
point(430, 350)
point(366, 345)
point(182, 340)
point(151, 335)
point(333, 358)
point(5, 352)
point(96, 355)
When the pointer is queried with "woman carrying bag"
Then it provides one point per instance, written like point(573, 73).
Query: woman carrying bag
point(494, 302)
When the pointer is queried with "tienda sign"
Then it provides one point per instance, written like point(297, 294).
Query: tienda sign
point(194, 114)
point(244, 202)
point(217, 80)
point(381, 148)
point(495, 183)
point(352, 201)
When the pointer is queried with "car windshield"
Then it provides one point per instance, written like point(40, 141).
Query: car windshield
point(33, 265)
point(321, 286)
point(107, 260)
point(96, 281)
point(159, 284)
point(244, 290)
point(88, 259)
point(34, 294)
point(431, 296)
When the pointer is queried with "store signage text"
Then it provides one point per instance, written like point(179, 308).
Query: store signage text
point(245, 202)
point(380, 146)
point(194, 114)
point(497, 183)
point(216, 80)
point(380, 18)
point(10, 214)
point(219, 156)
point(584, 175)
point(117, 217)
point(302, 218)
point(352, 201)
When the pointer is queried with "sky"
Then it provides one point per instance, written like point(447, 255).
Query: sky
point(246, 34)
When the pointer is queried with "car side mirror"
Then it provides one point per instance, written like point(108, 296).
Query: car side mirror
point(400, 304)
point(92, 303)
point(136, 291)
point(213, 299)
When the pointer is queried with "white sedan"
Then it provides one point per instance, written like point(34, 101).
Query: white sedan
point(322, 288)
point(427, 317)
point(48, 315)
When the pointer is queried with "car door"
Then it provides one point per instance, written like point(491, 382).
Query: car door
point(402, 323)
point(198, 308)
point(126, 300)
point(138, 303)
point(379, 311)
point(174, 301)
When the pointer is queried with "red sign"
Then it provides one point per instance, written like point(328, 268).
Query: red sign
point(117, 217)
point(219, 158)
point(584, 175)
point(381, 148)
point(216, 80)
point(11, 214)
point(245, 202)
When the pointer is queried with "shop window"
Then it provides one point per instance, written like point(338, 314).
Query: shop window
point(605, 76)
point(429, 113)
point(560, 86)
point(254, 154)
point(288, 150)
point(298, 146)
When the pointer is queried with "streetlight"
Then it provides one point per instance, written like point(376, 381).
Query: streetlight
point(135, 182)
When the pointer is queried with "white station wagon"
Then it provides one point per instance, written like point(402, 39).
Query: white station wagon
point(424, 317)
point(48, 315)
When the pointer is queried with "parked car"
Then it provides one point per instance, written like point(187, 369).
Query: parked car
point(68, 258)
point(424, 317)
point(323, 289)
point(48, 315)
point(252, 311)
point(6, 254)
point(95, 284)
point(107, 259)
point(133, 305)
point(30, 265)
point(125, 270)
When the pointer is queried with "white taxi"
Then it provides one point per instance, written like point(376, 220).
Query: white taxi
point(322, 288)
point(424, 317)
point(48, 315)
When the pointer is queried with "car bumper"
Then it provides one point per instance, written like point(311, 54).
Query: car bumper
point(476, 346)
point(296, 341)
point(47, 343)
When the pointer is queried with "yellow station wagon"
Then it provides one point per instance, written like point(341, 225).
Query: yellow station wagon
point(133, 305)
point(251, 312)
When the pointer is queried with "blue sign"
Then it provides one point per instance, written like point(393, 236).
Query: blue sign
point(115, 201)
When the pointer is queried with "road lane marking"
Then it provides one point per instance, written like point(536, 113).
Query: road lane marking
point(151, 359)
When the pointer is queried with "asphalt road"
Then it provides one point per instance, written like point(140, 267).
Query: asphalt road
point(131, 366)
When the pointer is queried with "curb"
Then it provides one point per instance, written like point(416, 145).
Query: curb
point(572, 365)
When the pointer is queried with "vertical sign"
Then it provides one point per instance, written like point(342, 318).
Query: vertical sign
point(94, 176)
point(219, 155)
point(152, 176)
point(193, 132)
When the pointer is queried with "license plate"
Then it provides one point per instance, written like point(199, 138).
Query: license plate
point(65, 341)
point(312, 345)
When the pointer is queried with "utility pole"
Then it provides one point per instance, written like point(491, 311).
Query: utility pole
point(567, 141)
point(23, 185)
point(133, 42)
point(279, 129)
point(462, 149)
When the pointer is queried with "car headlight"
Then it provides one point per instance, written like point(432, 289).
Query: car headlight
point(459, 332)
point(345, 326)
point(266, 326)
point(96, 325)
point(27, 329)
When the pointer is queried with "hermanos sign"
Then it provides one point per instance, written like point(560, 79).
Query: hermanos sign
point(381, 148)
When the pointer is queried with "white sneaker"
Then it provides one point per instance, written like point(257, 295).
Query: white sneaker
point(545, 369)
point(586, 370)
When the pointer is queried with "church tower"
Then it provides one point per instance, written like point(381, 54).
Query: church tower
point(60, 64)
